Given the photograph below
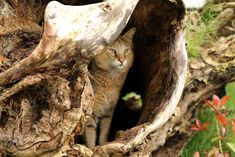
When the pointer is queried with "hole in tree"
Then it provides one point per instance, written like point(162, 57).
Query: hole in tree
point(124, 117)
point(151, 72)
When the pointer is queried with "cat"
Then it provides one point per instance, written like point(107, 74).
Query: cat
point(108, 72)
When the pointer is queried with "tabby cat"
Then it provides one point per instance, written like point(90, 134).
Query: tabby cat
point(108, 72)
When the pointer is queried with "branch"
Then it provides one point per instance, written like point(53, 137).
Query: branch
point(67, 28)
point(27, 81)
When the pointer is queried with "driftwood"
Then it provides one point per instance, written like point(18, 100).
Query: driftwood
point(46, 94)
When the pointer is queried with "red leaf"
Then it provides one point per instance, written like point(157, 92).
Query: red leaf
point(198, 122)
point(206, 124)
point(211, 106)
point(195, 128)
point(199, 126)
point(221, 119)
point(216, 100)
point(224, 100)
point(196, 154)
point(233, 125)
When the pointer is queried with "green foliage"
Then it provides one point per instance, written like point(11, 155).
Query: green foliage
point(231, 146)
point(230, 90)
point(200, 29)
point(201, 141)
point(208, 14)
point(204, 141)
point(135, 96)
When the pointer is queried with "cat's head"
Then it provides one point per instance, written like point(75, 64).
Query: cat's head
point(119, 54)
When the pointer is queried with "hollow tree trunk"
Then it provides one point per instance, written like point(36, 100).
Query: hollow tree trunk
point(207, 75)
point(33, 123)
point(46, 94)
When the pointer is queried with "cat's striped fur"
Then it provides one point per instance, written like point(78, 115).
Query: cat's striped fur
point(108, 73)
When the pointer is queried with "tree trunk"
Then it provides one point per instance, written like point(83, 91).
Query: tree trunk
point(46, 95)
point(207, 75)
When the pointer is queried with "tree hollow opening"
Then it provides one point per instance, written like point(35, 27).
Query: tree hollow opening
point(150, 76)
point(151, 73)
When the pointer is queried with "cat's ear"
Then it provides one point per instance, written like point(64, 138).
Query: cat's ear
point(129, 34)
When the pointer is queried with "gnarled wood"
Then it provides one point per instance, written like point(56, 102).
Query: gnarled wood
point(45, 122)
point(207, 75)
point(79, 31)
point(40, 125)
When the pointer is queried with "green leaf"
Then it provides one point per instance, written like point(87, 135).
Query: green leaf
point(231, 146)
point(130, 95)
point(135, 96)
point(230, 90)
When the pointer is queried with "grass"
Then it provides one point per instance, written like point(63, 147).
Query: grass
point(230, 90)
point(199, 29)
point(203, 141)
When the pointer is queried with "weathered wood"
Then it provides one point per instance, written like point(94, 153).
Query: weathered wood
point(70, 37)
point(44, 121)
point(65, 96)
point(207, 75)
point(80, 28)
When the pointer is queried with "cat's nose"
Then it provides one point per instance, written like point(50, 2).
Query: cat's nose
point(121, 60)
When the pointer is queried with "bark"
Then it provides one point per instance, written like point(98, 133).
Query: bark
point(207, 76)
point(46, 94)
point(35, 123)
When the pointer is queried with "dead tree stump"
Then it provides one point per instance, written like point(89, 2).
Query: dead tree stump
point(45, 92)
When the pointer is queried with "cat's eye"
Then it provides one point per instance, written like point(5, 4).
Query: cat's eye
point(113, 51)
point(126, 51)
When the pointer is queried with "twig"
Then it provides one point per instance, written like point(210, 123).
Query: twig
point(220, 144)
point(27, 81)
